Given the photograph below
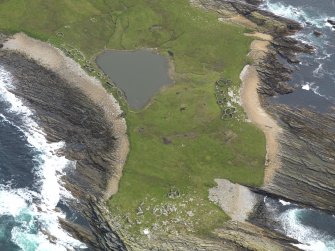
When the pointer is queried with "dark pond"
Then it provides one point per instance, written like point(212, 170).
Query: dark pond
point(140, 74)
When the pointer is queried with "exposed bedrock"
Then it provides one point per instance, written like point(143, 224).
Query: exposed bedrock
point(233, 236)
point(67, 115)
point(274, 76)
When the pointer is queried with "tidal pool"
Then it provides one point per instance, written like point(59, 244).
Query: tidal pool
point(140, 74)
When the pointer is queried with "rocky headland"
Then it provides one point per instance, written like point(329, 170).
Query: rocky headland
point(307, 153)
point(306, 150)
point(69, 106)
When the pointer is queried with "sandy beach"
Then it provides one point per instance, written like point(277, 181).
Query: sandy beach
point(255, 113)
point(236, 200)
point(55, 60)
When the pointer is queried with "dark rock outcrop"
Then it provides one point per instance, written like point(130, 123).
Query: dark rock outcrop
point(266, 21)
point(332, 22)
point(274, 76)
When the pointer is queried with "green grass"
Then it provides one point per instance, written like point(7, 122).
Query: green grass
point(201, 146)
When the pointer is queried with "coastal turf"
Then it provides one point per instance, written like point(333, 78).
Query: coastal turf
point(179, 143)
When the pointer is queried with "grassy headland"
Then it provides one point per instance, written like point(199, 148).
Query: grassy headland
point(179, 143)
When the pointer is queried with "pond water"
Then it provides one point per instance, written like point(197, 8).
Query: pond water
point(140, 74)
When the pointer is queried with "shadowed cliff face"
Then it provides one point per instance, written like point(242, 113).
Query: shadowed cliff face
point(67, 115)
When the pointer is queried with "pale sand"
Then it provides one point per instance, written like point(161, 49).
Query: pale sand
point(241, 20)
point(68, 69)
point(237, 201)
point(256, 114)
point(260, 36)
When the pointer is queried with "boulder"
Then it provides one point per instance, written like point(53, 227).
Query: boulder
point(317, 33)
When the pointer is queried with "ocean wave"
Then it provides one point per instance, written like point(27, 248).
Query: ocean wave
point(26, 206)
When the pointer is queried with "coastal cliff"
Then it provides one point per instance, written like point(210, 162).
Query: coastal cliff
point(67, 113)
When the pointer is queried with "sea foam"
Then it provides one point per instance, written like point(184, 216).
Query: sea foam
point(311, 239)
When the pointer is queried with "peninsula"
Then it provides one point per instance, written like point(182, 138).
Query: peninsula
point(184, 162)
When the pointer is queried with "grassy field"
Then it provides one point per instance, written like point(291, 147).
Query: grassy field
point(179, 143)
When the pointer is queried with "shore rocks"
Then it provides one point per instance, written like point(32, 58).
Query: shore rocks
point(233, 236)
point(254, 2)
point(266, 21)
point(274, 76)
point(309, 179)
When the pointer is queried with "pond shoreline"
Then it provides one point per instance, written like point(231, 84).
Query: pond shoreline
point(141, 74)
point(265, 89)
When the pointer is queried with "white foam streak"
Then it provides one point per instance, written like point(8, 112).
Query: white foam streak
point(313, 246)
point(311, 238)
point(284, 203)
point(307, 86)
point(49, 170)
point(310, 86)
point(296, 14)
point(318, 72)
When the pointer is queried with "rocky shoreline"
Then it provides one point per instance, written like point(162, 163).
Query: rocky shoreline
point(307, 153)
point(70, 113)
point(306, 180)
